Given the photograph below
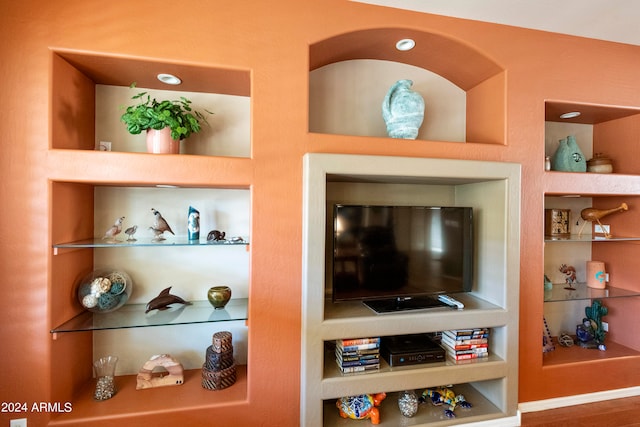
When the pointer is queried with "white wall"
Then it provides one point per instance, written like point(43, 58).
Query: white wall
point(190, 270)
point(228, 132)
point(364, 83)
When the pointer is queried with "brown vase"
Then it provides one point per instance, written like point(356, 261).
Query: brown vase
point(160, 142)
point(219, 296)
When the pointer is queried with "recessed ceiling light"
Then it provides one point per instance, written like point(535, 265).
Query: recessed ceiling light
point(405, 44)
point(169, 79)
point(570, 115)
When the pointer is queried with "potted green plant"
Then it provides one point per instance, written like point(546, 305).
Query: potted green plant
point(166, 122)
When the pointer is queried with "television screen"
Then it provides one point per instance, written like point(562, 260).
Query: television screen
point(400, 252)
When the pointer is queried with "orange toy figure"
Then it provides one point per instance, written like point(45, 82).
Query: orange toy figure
point(361, 407)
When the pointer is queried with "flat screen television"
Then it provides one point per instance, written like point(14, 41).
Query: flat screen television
point(396, 258)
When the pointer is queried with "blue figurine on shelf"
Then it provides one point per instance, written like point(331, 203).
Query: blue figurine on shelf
point(445, 396)
point(590, 333)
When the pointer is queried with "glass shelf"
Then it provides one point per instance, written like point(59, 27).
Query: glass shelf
point(589, 238)
point(134, 316)
point(170, 241)
point(583, 292)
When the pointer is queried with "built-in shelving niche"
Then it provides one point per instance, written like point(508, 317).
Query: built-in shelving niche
point(606, 129)
point(81, 212)
point(464, 90)
point(493, 189)
point(613, 131)
point(82, 79)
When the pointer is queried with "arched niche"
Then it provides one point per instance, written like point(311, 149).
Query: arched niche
point(479, 76)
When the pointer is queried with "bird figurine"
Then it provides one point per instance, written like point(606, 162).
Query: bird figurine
point(130, 232)
point(593, 214)
point(161, 224)
point(157, 234)
point(115, 229)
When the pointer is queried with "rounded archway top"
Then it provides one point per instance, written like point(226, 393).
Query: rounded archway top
point(458, 62)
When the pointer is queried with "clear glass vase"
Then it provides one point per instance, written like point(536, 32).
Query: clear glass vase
point(105, 369)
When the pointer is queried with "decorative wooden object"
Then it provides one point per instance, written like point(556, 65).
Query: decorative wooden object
point(219, 369)
point(593, 214)
point(147, 378)
point(556, 223)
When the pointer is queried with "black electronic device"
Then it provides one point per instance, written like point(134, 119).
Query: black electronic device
point(399, 255)
point(403, 350)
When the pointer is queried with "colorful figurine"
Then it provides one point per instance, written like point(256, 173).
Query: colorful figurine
point(361, 407)
point(569, 276)
point(590, 333)
point(444, 395)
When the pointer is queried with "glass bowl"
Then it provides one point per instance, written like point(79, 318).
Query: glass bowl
point(104, 290)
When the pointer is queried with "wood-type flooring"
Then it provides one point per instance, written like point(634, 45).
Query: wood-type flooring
point(611, 413)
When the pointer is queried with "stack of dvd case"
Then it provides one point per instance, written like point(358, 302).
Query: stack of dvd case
point(358, 354)
point(463, 344)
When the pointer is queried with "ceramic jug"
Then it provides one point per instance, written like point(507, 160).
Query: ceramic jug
point(568, 157)
point(403, 110)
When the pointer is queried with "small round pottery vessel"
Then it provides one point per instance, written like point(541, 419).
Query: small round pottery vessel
point(219, 296)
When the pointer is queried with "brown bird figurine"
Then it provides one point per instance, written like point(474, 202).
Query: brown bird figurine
point(593, 214)
point(161, 224)
point(130, 232)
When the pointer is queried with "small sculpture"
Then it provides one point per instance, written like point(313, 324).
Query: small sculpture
point(215, 236)
point(591, 333)
point(130, 232)
point(164, 300)
point(361, 407)
point(160, 226)
point(444, 395)
point(403, 110)
point(569, 276)
point(593, 214)
point(171, 372)
point(115, 229)
point(193, 224)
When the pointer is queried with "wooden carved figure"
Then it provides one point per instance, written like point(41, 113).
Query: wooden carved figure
point(593, 214)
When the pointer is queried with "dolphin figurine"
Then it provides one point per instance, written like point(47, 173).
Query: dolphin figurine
point(164, 300)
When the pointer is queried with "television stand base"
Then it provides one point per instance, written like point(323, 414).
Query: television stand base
point(394, 305)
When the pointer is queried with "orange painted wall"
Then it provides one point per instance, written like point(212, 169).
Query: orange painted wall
point(272, 40)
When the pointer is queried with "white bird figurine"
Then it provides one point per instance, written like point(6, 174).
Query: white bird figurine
point(130, 232)
point(160, 224)
point(115, 229)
